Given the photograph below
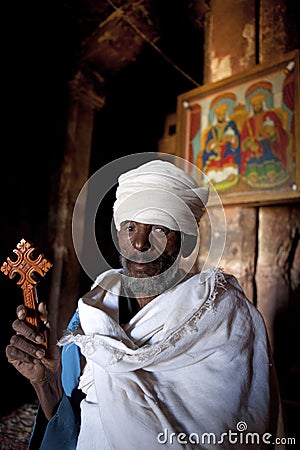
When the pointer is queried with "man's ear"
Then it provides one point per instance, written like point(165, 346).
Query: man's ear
point(188, 244)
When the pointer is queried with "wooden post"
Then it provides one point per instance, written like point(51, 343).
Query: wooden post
point(278, 237)
point(84, 99)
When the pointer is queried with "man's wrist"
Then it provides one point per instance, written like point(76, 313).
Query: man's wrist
point(49, 392)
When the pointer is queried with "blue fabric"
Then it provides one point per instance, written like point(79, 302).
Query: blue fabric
point(71, 360)
point(61, 432)
point(74, 322)
point(38, 431)
point(70, 368)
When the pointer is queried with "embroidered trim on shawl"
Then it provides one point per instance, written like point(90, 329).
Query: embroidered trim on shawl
point(90, 343)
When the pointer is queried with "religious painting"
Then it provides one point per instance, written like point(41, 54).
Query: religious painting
point(242, 133)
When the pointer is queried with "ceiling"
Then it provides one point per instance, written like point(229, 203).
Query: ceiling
point(148, 51)
point(112, 33)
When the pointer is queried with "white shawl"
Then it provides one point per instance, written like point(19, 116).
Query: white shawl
point(191, 365)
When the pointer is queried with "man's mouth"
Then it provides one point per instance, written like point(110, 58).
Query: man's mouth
point(143, 270)
point(149, 278)
point(143, 257)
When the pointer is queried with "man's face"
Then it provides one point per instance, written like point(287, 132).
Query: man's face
point(147, 250)
point(257, 107)
point(221, 117)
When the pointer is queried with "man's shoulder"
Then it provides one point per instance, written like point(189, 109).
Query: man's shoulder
point(235, 299)
point(107, 274)
point(219, 293)
point(232, 282)
point(217, 276)
point(224, 286)
point(214, 283)
point(231, 287)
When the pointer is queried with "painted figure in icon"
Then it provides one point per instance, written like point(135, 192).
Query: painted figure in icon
point(221, 153)
point(264, 146)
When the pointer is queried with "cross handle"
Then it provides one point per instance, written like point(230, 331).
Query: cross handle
point(25, 270)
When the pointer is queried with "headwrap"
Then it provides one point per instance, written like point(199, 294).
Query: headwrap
point(160, 193)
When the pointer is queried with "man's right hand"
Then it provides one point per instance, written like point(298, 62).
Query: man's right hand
point(42, 367)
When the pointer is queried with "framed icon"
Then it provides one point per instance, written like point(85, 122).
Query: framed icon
point(243, 133)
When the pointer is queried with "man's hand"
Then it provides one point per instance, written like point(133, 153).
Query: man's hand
point(42, 367)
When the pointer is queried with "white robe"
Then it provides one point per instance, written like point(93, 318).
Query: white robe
point(190, 366)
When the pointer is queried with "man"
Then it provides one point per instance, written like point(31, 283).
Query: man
point(153, 357)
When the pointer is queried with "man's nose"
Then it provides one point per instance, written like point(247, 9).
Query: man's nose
point(141, 241)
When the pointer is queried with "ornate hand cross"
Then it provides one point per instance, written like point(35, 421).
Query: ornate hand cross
point(25, 267)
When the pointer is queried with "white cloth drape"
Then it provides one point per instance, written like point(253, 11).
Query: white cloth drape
point(195, 360)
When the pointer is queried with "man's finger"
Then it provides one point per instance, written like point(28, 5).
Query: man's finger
point(21, 312)
point(29, 333)
point(26, 347)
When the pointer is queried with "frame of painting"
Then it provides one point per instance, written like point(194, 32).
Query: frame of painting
point(242, 134)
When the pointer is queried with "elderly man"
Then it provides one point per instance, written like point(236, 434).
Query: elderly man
point(153, 356)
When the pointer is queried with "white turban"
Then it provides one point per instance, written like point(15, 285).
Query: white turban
point(160, 193)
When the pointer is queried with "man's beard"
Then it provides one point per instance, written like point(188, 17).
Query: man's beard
point(152, 285)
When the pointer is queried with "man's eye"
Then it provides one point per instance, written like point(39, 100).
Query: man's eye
point(127, 227)
point(160, 230)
